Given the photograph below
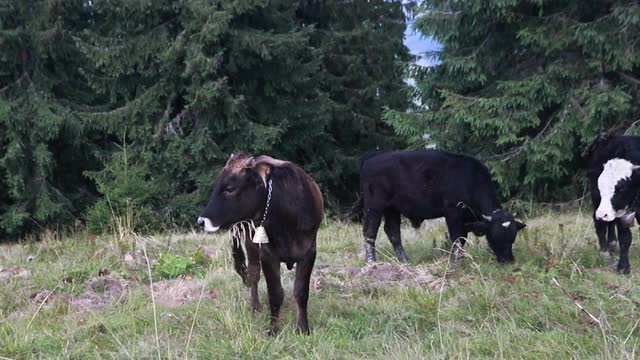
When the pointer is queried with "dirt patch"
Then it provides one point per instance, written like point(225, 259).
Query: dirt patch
point(177, 292)
point(100, 292)
point(11, 273)
point(135, 259)
point(380, 275)
point(46, 299)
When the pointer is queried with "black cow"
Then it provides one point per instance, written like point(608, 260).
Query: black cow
point(430, 184)
point(615, 184)
point(246, 189)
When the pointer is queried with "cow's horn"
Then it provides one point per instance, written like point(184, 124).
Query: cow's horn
point(264, 159)
point(229, 159)
point(488, 218)
point(249, 162)
point(263, 164)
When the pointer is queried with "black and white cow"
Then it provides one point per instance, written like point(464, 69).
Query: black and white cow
point(614, 178)
point(431, 184)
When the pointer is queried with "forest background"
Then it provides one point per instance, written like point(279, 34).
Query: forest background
point(113, 109)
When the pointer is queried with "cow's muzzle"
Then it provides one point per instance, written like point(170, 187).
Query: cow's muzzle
point(505, 259)
point(206, 225)
point(605, 216)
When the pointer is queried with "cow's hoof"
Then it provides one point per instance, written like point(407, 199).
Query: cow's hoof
point(370, 251)
point(624, 268)
point(254, 304)
point(273, 330)
point(402, 257)
point(606, 255)
point(303, 330)
point(458, 253)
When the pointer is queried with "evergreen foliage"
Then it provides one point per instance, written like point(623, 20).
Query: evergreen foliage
point(527, 85)
point(188, 83)
point(44, 145)
point(362, 58)
point(129, 198)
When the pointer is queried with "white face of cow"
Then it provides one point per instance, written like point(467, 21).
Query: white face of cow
point(616, 172)
point(206, 224)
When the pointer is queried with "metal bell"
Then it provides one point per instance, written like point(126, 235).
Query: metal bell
point(260, 237)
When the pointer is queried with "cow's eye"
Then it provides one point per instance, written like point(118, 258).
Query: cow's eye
point(229, 190)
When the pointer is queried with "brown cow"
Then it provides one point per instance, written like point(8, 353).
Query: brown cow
point(286, 201)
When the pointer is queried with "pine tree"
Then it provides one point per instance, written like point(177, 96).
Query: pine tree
point(43, 144)
point(194, 81)
point(181, 85)
point(197, 81)
point(362, 55)
point(526, 85)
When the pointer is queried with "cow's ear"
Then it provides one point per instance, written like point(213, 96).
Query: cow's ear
point(263, 165)
point(520, 225)
point(479, 228)
point(264, 170)
point(635, 167)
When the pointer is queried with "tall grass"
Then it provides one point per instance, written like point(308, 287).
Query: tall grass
point(484, 310)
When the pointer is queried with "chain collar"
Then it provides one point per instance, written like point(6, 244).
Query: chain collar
point(266, 208)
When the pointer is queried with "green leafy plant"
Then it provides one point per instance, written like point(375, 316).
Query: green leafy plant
point(171, 266)
point(200, 258)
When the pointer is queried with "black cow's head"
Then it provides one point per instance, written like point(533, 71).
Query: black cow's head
point(618, 184)
point(501, 229)
point(239, 192)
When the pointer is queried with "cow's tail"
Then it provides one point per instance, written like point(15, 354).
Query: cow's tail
point(239, 259)
point(357, 209)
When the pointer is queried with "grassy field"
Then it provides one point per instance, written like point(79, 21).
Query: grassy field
point(83, 297)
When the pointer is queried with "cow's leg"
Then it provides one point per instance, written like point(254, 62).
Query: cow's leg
point(253, 274)
point(601, 231)
point(624, 237)
point(372, 220)
point(611, 235)
point(301, 290)
point(392, 229)
point(271, 270)
point(604, 230)
point(457, 233)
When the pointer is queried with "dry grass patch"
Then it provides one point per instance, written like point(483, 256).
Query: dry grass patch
point(14, 272)
point(177, 292)
point(378, 276)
